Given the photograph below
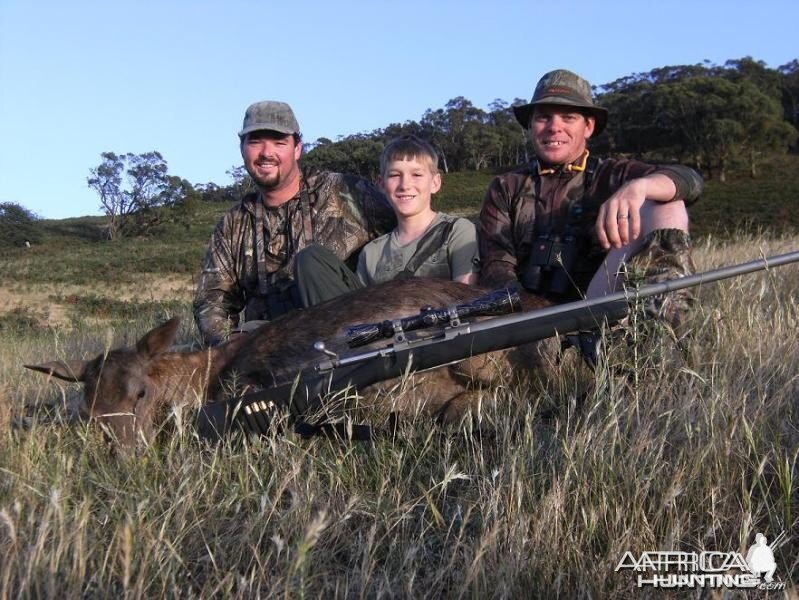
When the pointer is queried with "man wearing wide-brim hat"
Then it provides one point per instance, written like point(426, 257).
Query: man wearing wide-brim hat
point(563, 225)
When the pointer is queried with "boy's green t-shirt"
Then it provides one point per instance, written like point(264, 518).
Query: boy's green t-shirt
point(384, 258)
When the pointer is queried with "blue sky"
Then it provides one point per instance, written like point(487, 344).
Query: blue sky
point(83, 77)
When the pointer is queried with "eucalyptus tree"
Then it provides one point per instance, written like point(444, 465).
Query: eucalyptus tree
point(132, 189)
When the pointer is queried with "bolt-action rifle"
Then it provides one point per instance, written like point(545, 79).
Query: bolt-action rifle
point(456, 340)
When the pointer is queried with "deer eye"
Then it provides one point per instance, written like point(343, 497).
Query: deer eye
point(141, 394)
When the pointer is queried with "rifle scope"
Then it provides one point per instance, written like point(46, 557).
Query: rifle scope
point(498, 302)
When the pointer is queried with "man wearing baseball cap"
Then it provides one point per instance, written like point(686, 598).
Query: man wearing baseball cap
point(563, 225)
point(250, 262)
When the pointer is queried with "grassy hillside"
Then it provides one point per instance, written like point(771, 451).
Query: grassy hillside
point(668, 450)
point(767, 204)
point(75, 274)
point(675, 451)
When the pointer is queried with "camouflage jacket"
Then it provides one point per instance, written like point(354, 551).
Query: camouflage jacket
point(525, 204)
point(342, 213)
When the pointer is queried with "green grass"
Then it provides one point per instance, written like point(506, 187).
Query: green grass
point(462, 192)
point(118, 312)
point(112, 262)
point(22, 320)
point(74, 251)
point(666, 452)
point(769, 203)
point(687, 453)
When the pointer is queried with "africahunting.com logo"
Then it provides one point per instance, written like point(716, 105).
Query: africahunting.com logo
point(666, 569)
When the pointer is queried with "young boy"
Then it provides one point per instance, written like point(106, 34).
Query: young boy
point(425, 243)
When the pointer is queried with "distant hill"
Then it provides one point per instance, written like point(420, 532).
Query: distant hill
point(769, 203)
point(74, 250)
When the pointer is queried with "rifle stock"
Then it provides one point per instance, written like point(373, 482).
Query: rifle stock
point(449, 345)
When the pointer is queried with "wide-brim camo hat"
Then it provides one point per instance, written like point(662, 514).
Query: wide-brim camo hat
point(563, 88)
point(269, 115)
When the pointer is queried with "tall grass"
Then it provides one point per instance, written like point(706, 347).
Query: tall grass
point(692, 449)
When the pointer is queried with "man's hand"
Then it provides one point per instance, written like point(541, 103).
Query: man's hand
point(619, 219)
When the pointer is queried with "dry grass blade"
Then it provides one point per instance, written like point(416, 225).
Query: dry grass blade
point(665, 448)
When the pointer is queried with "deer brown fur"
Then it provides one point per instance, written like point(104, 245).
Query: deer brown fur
point(127, 388)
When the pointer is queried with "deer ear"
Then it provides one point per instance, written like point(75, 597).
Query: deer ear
point(71, 370)
point(159, 340)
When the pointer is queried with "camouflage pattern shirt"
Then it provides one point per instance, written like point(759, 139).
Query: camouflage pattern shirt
point(529, 202)
point(342, 213)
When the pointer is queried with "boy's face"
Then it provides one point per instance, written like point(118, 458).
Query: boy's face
point(409, 185)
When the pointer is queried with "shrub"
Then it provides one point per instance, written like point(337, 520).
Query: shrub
point(18, 225)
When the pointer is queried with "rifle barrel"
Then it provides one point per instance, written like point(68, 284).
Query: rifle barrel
point(366, 368)
point(579, 315)
point(717, 274)
point(653, 289)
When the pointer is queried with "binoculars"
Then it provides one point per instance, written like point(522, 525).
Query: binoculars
point(551, 260)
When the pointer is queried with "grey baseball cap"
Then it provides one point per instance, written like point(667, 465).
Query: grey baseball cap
point(567, 89)
point(269, 115)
